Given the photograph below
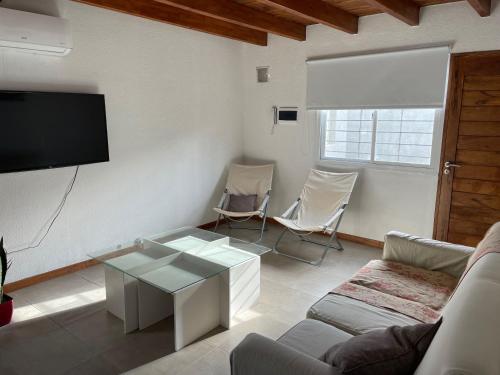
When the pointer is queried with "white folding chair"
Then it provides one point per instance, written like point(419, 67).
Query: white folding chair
point(319, 208)
point(246, 180)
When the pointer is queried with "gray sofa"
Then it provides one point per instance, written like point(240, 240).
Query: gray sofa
point(467, 342)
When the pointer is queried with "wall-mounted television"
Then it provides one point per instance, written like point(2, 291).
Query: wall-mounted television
point(40, 130)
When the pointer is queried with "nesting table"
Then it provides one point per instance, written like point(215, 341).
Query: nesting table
point(202, 278)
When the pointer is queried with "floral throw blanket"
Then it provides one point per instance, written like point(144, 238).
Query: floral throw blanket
point(418, 293)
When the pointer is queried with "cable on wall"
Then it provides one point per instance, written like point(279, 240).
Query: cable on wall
point(54, 218)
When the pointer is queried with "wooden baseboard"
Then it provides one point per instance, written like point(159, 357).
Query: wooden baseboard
point(49, 275)
point(16, 285)
point(211, 224)
point(361, 240)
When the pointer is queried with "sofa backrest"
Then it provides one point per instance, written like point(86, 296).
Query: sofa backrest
point(468, 341)
point(426, 253)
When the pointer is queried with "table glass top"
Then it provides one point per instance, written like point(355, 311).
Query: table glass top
point(179, 258)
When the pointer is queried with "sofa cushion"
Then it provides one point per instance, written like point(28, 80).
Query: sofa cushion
point(395, 350)
point(426, 253)
point(313, 338)
point(409, 290)
point(259, 355)
point(355, 317)
point(467, 342)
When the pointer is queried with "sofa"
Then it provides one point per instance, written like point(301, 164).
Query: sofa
point(466, 343)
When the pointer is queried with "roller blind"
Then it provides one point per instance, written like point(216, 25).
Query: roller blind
point(403, 79)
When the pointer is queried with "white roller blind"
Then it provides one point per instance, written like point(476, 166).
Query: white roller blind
point(403, 79)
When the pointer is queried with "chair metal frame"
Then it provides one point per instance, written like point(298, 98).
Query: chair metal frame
point(328, 227)
point(262, 214)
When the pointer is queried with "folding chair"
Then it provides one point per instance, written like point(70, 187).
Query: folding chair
point(319, 208)
point(246, 180)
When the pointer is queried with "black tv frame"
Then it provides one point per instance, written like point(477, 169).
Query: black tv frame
point(60, 165)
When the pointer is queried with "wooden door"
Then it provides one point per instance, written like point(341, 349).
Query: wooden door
point(468, 201)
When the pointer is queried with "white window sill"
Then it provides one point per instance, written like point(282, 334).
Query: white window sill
point(381, 166)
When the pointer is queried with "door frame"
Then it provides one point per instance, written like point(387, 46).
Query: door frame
point(460, 63)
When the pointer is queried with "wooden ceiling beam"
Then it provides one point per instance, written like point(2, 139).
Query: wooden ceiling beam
point(404, 10)
point(320, 12)
point(167, 14)
point(483, 7)
point(230, 11)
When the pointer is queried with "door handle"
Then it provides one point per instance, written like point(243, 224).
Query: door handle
point(448, 165)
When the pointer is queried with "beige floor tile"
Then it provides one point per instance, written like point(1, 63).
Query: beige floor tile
point(292, 301)
point(66, 293)
point(61, 287)
point(71, 300)
point(23, 310)
point(147, 369)
point(215, 362)
point(176, 362)
point(317, 283)
point(94, 274)
point(262, 324)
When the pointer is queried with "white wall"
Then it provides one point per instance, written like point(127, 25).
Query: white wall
point(174, 122)
point(384, 199)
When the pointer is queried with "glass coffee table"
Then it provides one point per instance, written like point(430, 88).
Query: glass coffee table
point(202, 278)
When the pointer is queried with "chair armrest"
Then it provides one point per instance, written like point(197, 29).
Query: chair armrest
point(263, 205)
point(290, 210)
point(336, 216)
point(222, 200)
point(258, 355)
point(426, 253)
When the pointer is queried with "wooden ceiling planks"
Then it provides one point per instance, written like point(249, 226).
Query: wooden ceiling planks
point(405, 10)
point(318, 11)
point(230, 11)
point(483, 7)
point(250, 20)
point(359, 8)
point(263, 6)
point(167, 14)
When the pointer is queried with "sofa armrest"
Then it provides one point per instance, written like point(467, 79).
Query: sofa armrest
point(426, 253)
point(258, 355)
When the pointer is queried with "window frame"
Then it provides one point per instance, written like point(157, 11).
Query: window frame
point(435, 149)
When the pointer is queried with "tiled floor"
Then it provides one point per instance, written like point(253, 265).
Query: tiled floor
point(61, 326)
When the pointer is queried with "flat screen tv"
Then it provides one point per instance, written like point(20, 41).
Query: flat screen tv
point(41, 130)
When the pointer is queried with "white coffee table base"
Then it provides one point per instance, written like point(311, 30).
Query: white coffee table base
point(121, 297)
point(197, 309)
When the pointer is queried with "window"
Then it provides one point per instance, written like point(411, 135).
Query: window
point(401, 136)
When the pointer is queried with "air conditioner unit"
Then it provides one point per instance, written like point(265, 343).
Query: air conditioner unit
point(35, 33)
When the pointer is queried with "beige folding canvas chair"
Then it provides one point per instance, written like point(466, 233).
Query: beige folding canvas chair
point(319, 208)
point(246, 180)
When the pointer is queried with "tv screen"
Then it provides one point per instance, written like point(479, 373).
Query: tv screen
point(50, 130)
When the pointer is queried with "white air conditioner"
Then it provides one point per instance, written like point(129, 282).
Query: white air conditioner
point(35, 33)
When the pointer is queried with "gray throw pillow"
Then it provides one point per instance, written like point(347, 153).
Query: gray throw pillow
point(392, 351)
point(242, 203)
